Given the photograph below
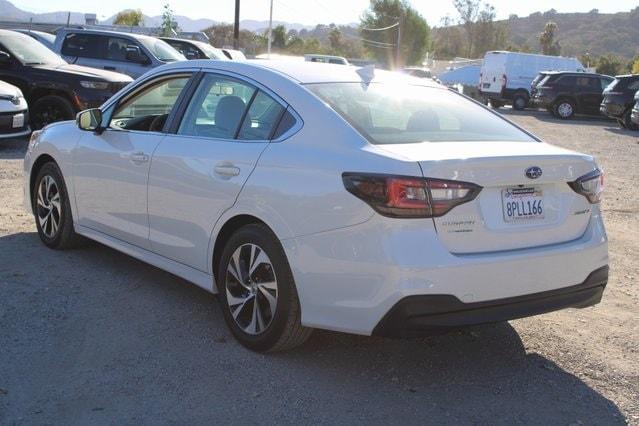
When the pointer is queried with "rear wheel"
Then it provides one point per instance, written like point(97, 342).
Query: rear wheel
point(520, 101)
point(257, 292)
point(564, 109)
point(627, 121)
point(53, 210)
point(50, 109)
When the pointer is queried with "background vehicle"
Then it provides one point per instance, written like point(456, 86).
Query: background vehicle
point(565, 94)
point(634, 117)
point(619, 99)
point(127, 53)
point(192, 49)
point(417, 72)
point(318, 196)
point(235, 55)
point(14, 114)
point(54, 90)
point(326, 59)
point(506, 77)
point(45, 38)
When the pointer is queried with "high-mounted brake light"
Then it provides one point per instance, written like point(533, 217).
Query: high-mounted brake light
point(409, 197)
point(590, 185)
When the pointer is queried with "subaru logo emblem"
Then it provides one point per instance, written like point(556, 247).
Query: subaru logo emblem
point(533, 172)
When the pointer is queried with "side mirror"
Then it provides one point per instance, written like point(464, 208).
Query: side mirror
point(134, 54)
point(89, 120)
point(5, 58)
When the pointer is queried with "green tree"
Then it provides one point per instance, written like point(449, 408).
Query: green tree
point(478, 23)
point(610, 64)
point(415, 33)
point(335, 39)
point(169, 26)
point(634, 66)
point(549, 46)
point(278, 37)
point(130, 18)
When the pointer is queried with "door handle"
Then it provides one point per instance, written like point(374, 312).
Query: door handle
point(139, 157)
point(226, 170)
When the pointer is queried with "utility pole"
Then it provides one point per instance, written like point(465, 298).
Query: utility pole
point(236, 27)
point(270, 30)
point(399, 41)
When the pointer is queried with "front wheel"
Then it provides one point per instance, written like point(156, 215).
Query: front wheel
point(52, 209)
point(50, 109)
point(257, 292)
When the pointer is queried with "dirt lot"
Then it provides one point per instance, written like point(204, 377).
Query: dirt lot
point(93, 336)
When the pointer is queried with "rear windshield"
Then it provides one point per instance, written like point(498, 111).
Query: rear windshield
point(405, 113)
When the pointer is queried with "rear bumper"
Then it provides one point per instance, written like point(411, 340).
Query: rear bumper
point(612, 110)
point(350, 279)
point(423, 315)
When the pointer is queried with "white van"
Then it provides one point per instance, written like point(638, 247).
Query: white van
point(505, 77)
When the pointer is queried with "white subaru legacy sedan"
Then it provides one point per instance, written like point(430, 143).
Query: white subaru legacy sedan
point(325, 196)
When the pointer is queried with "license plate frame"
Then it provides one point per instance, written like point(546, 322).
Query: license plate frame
point(524, 204)
point(17, 121)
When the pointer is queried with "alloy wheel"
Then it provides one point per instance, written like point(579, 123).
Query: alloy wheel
point(48, 206)
point(251, 289)
point(564, 109)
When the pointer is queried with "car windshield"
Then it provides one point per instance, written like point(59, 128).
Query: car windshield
point(406, 113)
point(50, 38)
point(212, 52)
point(162, 50)
point(29, 51)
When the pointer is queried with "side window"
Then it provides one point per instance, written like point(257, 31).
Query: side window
point(567, 80)
point(261, 118)
point(148, 109)
point(217, 108)
point(116, 48)
point(634, 85)
point(82, 45)
point(187, 50)
point(285, 124)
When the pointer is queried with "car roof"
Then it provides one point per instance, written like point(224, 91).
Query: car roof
point(303, 72)
point(579, 73)
point(107, 32)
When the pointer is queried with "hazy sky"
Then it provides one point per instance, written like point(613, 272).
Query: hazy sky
point(312, 12)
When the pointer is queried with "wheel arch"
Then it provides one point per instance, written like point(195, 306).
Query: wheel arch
point(40, 92)
point(35, 169)
point(226, 231)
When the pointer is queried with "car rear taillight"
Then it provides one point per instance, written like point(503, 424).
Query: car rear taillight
point(409, 197)
point(590, 186)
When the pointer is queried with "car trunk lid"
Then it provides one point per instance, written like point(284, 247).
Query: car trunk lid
point(513, 210)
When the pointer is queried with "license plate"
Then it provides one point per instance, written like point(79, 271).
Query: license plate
point(18, 120)
point(521, 204)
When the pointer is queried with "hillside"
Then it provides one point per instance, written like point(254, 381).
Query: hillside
point(595, 33)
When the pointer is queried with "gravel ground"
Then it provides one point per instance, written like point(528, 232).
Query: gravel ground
point(93, 336)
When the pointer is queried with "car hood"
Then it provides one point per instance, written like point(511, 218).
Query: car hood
point(93, 73)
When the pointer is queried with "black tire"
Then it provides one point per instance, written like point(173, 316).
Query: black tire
point(520, 101)
point(64, 237)
point(49, 109)
point(564, 109)
point(627, 121)
point(284, 329)
point(496, 104)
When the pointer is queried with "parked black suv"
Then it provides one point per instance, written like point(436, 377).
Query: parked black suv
point(619, 98)
point(54, 90)
point(192, 49)
point(565, 94)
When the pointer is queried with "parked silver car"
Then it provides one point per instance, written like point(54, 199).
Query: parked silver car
point(132, 54)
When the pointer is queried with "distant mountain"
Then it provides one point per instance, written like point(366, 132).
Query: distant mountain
point(9, 12)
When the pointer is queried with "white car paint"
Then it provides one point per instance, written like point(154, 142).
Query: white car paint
point(351, 265)
point(12, 103)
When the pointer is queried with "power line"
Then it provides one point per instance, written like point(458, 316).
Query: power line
point(396, 24)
